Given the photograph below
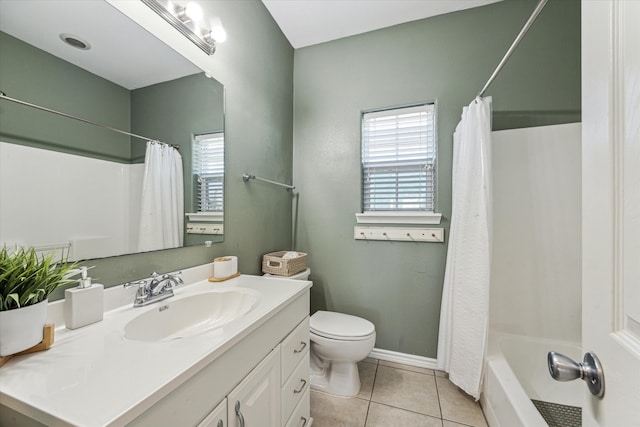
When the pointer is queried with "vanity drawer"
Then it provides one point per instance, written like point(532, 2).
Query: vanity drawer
point(301, 416)
point(295, 387)
point(294, 348)
point(217, 417)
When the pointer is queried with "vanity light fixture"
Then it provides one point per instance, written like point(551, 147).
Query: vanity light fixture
point(188, 20)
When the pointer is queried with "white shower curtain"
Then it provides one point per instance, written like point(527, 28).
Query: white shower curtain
point(465, 298)
point(162, 205)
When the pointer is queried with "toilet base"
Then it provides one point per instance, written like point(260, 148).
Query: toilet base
point(338, 378)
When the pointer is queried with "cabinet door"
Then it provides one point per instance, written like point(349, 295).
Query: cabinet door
point(217, 417)
point(255, 402)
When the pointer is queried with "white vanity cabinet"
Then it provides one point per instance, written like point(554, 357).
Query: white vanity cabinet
point(275, 393)
point(267, 372)
point(259, 360)
point(274, 390)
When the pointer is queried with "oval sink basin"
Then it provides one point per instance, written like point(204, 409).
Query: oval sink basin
point(188, 316)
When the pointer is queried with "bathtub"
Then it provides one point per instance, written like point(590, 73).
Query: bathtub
point(516, 372)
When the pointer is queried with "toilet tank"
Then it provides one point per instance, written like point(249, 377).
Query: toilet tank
point(303, 275)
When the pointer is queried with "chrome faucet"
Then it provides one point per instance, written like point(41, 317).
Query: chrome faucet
point(155, 288)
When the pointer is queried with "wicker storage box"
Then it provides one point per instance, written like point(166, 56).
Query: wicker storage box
point(273, 263)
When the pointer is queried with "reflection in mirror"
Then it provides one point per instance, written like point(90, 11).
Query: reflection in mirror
point(68, 184)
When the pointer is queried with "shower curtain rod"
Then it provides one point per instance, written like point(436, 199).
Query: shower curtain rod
point(515, 44)
point(69, 116)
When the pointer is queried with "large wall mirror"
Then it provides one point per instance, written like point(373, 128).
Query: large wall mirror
point(65, 183)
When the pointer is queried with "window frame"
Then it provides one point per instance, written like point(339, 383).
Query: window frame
point(400, 216)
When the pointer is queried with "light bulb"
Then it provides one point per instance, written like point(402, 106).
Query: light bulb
point(193, 11)
point(217, 30)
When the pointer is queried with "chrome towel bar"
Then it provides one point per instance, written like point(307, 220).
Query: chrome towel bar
point(246, 177)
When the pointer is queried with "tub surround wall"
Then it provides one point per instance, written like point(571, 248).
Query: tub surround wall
point(537, 229)
point(98, 214)
point(448, 58)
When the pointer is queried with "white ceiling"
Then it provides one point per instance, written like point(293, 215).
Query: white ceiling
point(309, 22)
point(121, 51)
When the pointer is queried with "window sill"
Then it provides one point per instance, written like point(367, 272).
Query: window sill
point(404, 218)
point(206, 216)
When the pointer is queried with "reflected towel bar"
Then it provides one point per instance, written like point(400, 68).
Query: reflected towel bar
point(246, 177)
point(69, 116)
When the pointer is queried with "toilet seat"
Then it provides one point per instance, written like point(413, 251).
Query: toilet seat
point(340, 326)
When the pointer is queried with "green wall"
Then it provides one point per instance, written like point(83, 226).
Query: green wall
point(35, 76)
point(447, 59)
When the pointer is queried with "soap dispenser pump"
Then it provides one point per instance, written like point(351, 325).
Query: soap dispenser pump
point(83, 304)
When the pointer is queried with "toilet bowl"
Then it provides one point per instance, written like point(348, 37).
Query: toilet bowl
point(338, 342)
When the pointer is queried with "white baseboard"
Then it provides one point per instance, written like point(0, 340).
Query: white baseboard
point(407, 359)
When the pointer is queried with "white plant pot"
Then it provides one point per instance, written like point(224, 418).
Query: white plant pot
point(22, 328)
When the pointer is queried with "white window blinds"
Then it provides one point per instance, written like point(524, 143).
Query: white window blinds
point(208, 170)
point(398, 159)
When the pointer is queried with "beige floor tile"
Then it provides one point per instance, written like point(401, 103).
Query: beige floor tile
point(447, 423)
point(457, 405)
point(367, 373)
point(442, 374)
point(406, 390)
point(386, 416)
point(406, 367)
point(370, 360)
point(330, 411)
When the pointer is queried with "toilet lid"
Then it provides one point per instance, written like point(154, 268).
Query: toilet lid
point(338, 325)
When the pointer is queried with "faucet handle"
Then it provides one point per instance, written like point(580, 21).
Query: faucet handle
point(175, 276)
point(140, 283)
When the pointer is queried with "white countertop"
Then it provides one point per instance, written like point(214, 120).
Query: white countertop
point(93, 376)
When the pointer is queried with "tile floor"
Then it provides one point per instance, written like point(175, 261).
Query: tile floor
point(396, 395)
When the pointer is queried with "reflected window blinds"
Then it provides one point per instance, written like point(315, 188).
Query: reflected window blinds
point(208, 170)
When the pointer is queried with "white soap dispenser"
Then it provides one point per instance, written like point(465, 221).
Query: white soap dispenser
point(83, 304)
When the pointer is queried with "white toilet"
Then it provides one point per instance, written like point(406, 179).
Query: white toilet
point(338, 342)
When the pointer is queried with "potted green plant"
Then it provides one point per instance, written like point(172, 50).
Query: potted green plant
point(26, 281)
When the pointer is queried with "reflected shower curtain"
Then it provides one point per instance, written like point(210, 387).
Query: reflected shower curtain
point(162, 203)
point(464, 313)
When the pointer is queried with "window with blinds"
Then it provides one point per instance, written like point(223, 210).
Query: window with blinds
point(208, 170)
point(398, 159)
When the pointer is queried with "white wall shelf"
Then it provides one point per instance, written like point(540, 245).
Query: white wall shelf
point(399, 234)
point(400, 218)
